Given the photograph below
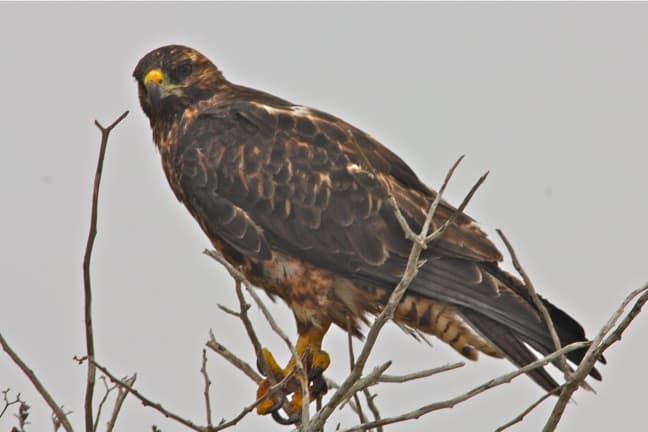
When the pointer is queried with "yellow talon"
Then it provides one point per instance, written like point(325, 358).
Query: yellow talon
point(268, 404)
point(320, 360)
point(315, 362)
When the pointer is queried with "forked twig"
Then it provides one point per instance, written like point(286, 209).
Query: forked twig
point(143, 399)
point(607, 336)
point(87, 291)
point(40, 388)
point(530, 408)
point(119, 402)
point(236, 361)
point(450, 403)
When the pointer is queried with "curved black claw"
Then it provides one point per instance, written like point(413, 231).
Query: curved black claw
point(285, 420)
point(278, 404)
point(319, 387)
point(314, 373)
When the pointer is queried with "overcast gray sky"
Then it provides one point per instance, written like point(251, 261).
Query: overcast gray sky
point(551, 98)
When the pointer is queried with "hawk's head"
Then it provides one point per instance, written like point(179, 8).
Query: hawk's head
point(173, 77)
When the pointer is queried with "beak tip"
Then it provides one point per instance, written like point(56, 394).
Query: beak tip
point(154, 92)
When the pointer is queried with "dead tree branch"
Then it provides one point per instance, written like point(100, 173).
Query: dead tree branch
point(107, 391)
point(203, 371)
point(450, 403)
point(359, 411)
point(119, 402)
point(143, 399)
point(7, 402)
point(40, 388)
point(530, 408)
point(607, 336)
point(87, 291)
point(422, 374)
point(236, 361)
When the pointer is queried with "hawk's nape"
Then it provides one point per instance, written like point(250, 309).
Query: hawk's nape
point(284, 193)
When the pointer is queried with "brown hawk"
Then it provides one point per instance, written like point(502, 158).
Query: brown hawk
point(283, 192)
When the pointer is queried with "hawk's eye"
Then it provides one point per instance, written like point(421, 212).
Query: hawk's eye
point(182, 71)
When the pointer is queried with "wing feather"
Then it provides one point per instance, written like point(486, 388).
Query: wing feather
point(271, 176)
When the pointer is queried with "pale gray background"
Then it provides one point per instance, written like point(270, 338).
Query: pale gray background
point(551, 98)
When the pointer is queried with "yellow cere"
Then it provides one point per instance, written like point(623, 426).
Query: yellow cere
point(154, 75)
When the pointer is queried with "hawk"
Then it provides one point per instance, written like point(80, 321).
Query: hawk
point(285, 194)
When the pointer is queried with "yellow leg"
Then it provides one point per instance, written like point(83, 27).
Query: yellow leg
point(315, 362)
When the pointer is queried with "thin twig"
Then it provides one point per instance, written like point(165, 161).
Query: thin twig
point(530, 408)
point(119, 402)
point(40, 388)
point(562, 360)
point(252, 336)
point(439, 231)
point(421, 374)
point(372, 407)
point(361, 415)
point(599, 344)
point(203, 371)
point(107, 392)
point(143, 399)
point(229, 311)
point(423, 236)
point(87, 291)
point(248, 409)
point(237, 362)
point(7, 402)
point(450, 403)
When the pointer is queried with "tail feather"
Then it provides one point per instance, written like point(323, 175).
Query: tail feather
point(498, 307)
point(510, 345)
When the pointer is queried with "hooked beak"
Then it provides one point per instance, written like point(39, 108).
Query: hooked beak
point(154, 83)
point(154, 93)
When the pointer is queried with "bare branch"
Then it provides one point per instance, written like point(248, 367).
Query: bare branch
point(599, 344)
point(119, 402)
point(372, 407)
point(7, 402)
point(237, 362)
point(439, 232)
point(421, 374)
point(203, 371)
point(107, 391)
point(422, 237)
point(40, 388)
point(361, 415)
point(450, 403)
point(538, 304)
point(530, 408)
point(249, 328)
point(143, 399)
point(272, 390)
point(87, 291)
